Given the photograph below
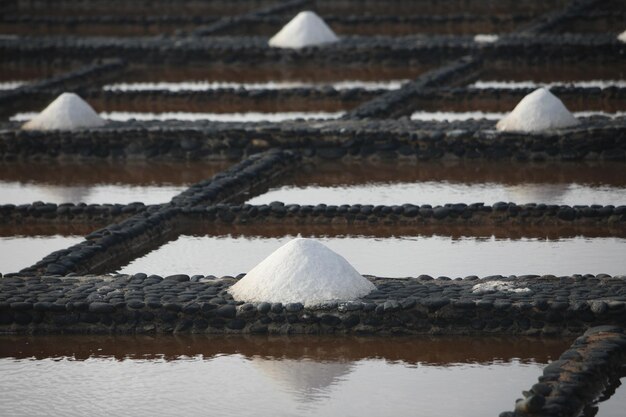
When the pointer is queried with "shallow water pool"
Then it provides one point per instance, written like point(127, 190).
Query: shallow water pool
point(100, 182)
point(396, 256)
point(18, 252)
point(455, 182)
point(283, 376)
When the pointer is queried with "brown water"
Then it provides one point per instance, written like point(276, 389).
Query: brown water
point(366, 182)
point(396, 255)
point(551, 72)
point(401, 7)
point(469, 25)
point(143, 8)
point(100, 181)
point(268, 73)
point(283, 376)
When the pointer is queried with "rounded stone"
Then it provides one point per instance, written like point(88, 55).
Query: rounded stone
point(98, 307)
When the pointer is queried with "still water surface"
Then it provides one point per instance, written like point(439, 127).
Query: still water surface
point(250, 376)
point(365, 182)
point(18, 252)
point(397, 256)
point(100, 182)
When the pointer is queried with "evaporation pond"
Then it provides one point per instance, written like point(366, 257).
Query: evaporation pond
point(99, 182)
point(278, 376)
point(396, 256)
point(454, 182)
point(18, 252)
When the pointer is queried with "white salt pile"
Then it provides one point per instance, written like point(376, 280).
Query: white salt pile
point(485, 38)
point(306, 29)
point(67, 112)
point(502, 286)
point(305, 271)
point(622, 37)
point(539, 110)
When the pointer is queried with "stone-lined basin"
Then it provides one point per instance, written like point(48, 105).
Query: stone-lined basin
point(246, 376)
point(20, 251)
point(100, 181)
point(395, 255)
point(369, 182)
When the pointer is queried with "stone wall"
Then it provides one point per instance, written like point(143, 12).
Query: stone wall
point(597, 138)
point(534, 305)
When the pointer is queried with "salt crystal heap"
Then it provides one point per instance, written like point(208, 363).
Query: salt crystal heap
point(305, 271)
point(306, 29)
point(622, 37)
point(539, 110)
point(67, 112)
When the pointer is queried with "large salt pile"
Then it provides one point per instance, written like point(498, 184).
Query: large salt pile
point(622, 37)
point(539, 110)
point(67, 112)
point(306, 29)
point(305, 271)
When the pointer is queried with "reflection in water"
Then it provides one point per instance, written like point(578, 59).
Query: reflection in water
point(437, 182)
point(433, 350)
point(439, 193)
point(100, 182)
point(19, 252)
point(396, 256)
point(284, 376)
point(309, 380)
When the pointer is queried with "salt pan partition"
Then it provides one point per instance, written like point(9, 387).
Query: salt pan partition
point(306, 29)
point(539, 110)
point(304, 271)
point(66, 112)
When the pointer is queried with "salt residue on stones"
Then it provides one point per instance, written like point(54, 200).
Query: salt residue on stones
point(539, 110)
point(67, 112)
point(306, 29)
point(302, 271)
point(500, 286)
point(485, 38)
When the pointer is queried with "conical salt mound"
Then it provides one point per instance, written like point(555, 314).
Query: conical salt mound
point(306, 29)
point(305, 271)
point(539, 110)
point(67, 112)
point(622, 37)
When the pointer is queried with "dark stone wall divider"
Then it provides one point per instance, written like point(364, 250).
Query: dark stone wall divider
point(571, 384)
point(597, 138)
point(602, 48)
point(477, 214)
point(67, 212)
point(608, 99)
point(109, 248)
point(140, 304)
point(390, 103)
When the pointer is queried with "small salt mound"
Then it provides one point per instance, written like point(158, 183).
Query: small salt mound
point(306, 29)
point(622, 37)
point(502, 286)
point(485, 38)
point(305, 271)
point(67, 112)
point(539, 110)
